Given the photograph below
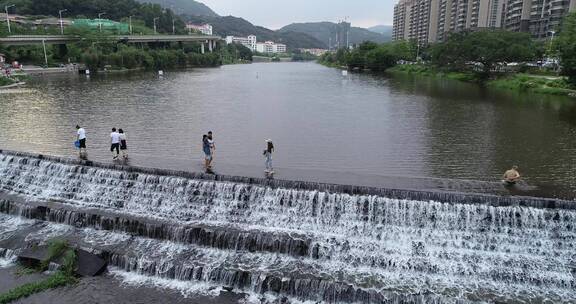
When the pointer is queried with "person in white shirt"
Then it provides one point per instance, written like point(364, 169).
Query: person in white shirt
point(81, 137)
point(123, 145)
point(115, 141)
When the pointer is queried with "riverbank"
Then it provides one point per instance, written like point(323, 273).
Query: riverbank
point(551, 85)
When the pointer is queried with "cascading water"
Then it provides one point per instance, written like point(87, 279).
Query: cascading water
point(321, 245)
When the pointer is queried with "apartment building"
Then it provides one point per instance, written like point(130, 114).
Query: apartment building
point(431, 20)
point(539, 17)
point(414, 19)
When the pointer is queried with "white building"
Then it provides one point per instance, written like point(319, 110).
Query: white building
point(205, 29)
point(249, 42)
point(315, 52)
point(268, 47)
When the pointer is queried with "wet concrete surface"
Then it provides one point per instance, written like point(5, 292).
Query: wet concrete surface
point(104, 289)
point(13, 277)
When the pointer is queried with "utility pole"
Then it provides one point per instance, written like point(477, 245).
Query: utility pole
point(61, 22)
point(8, 19)
point(45, 56)
point(100, 20)
point(155, 24)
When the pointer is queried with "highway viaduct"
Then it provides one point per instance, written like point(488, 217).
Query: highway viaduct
point(209, 41)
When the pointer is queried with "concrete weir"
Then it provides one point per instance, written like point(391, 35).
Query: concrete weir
point(290, 240)
point(440, 196)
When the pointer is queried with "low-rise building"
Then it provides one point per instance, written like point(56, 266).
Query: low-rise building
point(315, 52)
point(205, 29)
point(249, 42)
point(270, 47)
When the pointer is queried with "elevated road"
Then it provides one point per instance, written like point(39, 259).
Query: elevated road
point(57, 39)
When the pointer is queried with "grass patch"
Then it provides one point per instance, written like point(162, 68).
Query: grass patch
point(426, 70)
point(57, 249)
point(58, 279)
point(4, 81)
point(527, 83)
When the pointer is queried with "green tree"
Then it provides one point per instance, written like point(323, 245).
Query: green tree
point(380, 59)
point(566, 45)
point(489, 48)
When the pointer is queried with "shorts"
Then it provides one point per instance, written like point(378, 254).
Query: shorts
point(208, 156)
point(82, 143)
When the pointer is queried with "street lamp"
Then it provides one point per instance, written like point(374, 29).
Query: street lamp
point(130, 24)
point(552, 39)
point(100, 20)
point(155, 24)
point(8, 19)
point(61, 22)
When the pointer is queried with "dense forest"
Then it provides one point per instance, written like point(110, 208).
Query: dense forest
point(188, 7)
point(113, 9)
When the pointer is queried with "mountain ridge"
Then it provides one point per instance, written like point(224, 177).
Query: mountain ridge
point(236, 26)
point(323, 31)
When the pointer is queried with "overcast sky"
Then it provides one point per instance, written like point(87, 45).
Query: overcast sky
point(275, 14)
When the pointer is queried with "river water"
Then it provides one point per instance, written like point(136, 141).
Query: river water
point(318, 119)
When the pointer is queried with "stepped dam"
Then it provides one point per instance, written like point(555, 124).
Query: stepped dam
point(295, 241)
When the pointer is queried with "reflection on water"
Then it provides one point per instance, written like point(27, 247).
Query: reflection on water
point(318, 119)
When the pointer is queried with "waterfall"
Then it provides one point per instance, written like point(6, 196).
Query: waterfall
point(306, 241)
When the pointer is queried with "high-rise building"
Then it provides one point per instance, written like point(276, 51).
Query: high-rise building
point(340, 35)
point(431, 20)
point(413, 20)
point(538, 17)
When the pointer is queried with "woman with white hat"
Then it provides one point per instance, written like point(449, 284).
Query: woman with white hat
point(268, 155)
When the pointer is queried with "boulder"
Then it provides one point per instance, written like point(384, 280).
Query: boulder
point(87, 264)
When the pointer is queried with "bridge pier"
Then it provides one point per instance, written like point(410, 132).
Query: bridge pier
point(202, 47)
point(210, 45)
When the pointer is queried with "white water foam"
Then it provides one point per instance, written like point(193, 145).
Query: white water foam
point(186, 288)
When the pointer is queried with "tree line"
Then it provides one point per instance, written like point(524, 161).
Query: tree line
point(480, 52)
point(116, 10)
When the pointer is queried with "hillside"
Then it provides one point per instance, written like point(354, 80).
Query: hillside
point(324, 30)
point(184, 7)
point(385, 30)
point(115, 10)
point(233, 26)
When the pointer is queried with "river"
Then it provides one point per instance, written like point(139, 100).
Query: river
point(318, 119)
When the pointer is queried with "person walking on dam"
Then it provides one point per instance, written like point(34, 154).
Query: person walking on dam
point(210, 139)
point(115, 143)
point(207, 152)
point(123, 145)
point(268, 155)
point(81, 138)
